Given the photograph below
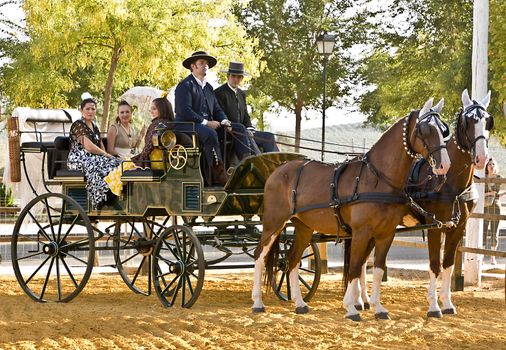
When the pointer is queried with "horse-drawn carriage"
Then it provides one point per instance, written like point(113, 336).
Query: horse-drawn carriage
point(154, 232)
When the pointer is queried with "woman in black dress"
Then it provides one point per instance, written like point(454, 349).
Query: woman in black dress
point(88, 154)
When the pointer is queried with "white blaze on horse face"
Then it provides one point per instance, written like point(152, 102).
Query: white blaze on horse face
point(481, 149)
point(445, 158)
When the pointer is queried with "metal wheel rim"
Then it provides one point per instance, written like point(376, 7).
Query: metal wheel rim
point(61, 253)
point(178, 267)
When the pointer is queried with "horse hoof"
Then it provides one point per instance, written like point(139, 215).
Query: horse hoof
point(450, 311)
point(367, 306)
point(257, 310)
point(435, 314)
point(302, 310)
point(382, 316)
point(355, 317)
point(359, 307)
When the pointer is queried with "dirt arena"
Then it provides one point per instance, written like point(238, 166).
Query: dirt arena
point(106, 315)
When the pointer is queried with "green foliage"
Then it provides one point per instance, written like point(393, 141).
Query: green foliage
point(106, 46)
point(424, 51)
point(6, 196)
point(290, 67)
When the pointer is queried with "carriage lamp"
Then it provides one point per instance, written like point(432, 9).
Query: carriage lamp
point(163, 138)
point(325, 43)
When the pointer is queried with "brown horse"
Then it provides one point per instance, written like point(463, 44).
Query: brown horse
point(367, 199)
point(454, 200)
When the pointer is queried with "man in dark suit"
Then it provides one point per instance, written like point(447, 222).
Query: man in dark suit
point(233, 102)
point(195, 102)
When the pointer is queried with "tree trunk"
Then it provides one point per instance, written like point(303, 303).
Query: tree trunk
point(108, 88)
point(298, 122)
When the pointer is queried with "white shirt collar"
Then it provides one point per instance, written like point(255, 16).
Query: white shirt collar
point(231, 88)
point(202, 82)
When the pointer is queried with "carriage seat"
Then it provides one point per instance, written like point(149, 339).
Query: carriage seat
point(57, 162)
point(36, 147)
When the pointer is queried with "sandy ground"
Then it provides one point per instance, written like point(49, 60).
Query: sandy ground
point(107, 315)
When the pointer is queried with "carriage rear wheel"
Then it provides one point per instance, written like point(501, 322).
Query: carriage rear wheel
point(134, 243)
point(309, 272)
point(52, 248)
point(178, 267)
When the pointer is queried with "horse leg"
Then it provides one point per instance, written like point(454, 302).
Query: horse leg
point(434, 243)
point(302, 238)
point(380, 255)
point(260, 254)
point(357, 259)
point(451, 244)
point(363, 300)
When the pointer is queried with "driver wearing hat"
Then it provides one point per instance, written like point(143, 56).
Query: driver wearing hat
point(195, 102)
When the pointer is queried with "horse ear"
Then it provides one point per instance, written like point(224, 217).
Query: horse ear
point(426, 107)
point(485, 102)
point(439, 107)
point(466, 101)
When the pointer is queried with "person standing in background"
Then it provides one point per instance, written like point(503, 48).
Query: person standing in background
point(492, 205)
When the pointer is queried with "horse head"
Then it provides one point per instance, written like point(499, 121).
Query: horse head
point(473, 128)
point(428, 137)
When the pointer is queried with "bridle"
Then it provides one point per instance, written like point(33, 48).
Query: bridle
point(462, 140)
point(422, 131)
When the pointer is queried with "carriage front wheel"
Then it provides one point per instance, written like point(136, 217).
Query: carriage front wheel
point(309, 271)
point(178, 267)
point(52, 248)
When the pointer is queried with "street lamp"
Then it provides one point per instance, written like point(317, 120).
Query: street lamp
point(325, 43)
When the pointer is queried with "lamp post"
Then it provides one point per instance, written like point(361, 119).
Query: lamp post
point(325, 43)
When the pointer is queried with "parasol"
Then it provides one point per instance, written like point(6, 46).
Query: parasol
point(141, 96)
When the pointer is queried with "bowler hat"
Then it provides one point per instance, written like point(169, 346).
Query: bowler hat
point(236, 68)
point(198, 55)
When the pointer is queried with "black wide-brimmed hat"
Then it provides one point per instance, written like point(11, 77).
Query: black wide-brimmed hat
point(236, 68)
point(198, 55)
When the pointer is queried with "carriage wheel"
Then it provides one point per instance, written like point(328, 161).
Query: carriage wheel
point(178, 266)
point(309, 272)
point(52, 248)
point(134, 243)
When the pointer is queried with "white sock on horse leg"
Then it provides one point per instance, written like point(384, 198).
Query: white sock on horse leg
point(350, 296)
point(446, 277)
point(432, 292)
point(295, 288)
point(256, 293)
point(363, 285)
point(376, 293)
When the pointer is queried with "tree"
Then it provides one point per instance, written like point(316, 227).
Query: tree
point(290, 68)
point(105, 46)
point(423, 50)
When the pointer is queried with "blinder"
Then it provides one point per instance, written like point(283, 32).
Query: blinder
point(424, 125)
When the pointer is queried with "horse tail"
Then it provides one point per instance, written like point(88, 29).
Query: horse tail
point(271, 262)
point(346, 263)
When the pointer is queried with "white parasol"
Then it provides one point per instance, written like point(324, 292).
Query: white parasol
point(141, 96)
